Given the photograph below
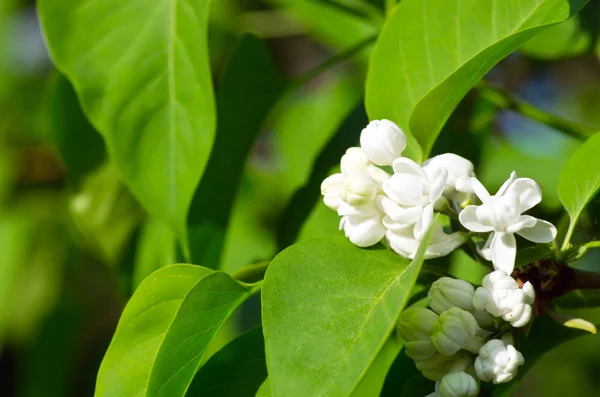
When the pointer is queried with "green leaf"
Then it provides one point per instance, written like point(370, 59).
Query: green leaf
point(79, 144)
point(430, 53)
point(250, 87)
point(579, 179)
point(543, 337)
point(372, 382)
point(578, 299)
point(238, 369)
point(343, 300)
point(142, 73)
point(156, 248)
point(265, 389)
point(564, 40)
point(165, 329)
point(399, 374)
point(105, 213)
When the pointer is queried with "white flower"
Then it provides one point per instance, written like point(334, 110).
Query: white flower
point(459, 169)
point(383, 141)
point(498, 362)
point(501, 215)
point(456, 329)
point(411, 196)
point(352, 193)
point(501, 296)
point(447, 292)
point(403, 242)
point(414, 327)
point(458, 384)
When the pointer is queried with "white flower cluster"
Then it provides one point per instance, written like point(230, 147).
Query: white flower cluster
point(462, 340)
point(400, 207)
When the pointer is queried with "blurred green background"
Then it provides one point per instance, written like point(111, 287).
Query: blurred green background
point(74, 243)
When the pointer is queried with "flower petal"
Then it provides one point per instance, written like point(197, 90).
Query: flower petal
point(468, 218)
point(398, 214)
point(504, 251)
point(541, 232)
point(479, 189)
point(363, 231)
point(529, 192)
point(403, 165)
point(525, 221)
point(437, 184)
point(506, 185)
point(485, 250)
point(404, 189)
point(424, 222)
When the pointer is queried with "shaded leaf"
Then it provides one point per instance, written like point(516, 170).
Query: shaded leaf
point(79, 144)
point(238, 369)
point(165, 329)
point(249, 88)
point(156, 248)
point(430, 53)
point(142, 73)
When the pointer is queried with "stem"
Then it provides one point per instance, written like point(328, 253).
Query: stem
point(584, 279)
point(331, 62)
point(567, 241)
point(506, 100)
point(389, 6)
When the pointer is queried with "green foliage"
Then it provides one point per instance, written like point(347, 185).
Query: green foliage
point(238, 369)
point(340, 342)
point(78, 143)
point(145, 84)
point(164, 332)
point(426, 59)
point(250, 73)
point(579, 179)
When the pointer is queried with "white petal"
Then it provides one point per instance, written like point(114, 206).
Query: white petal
point(442, 244)
point(404, 165)
point(404, 189)
point(525, 221)
point(436, 186)
point(463, 184)
point(399, 214)
point(504, 251)
point(479, 190)
point(485, 250)
point(383, 141)
point(354, 161)
point(541, 232)
point(506, 185)
point(364, 231)
point(468, 218)
point(402, 242)
point(529, 192)
point(424, 222)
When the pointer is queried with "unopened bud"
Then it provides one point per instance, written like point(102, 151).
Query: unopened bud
point(415, 327)
point(498, 362)
point(456, 329)
point(446, 293)
point(458, 384)
point(383, 141)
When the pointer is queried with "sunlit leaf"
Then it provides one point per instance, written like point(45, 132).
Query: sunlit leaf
point(142, 73)
point(344, 300)
point(430, 53)
point(165, 329)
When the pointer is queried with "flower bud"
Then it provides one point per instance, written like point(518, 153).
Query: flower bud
point(414, 326)
point(332, 190)
point(501, 296)
point(458, 384)
point(437, 366)
point(359, 189)
point(456, 329)
point(446, 293)
point(498, 362)
point(459, 169)
point(383, 141)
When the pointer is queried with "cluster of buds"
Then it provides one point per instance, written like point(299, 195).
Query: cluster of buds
point(400, 207)
point(466, 335)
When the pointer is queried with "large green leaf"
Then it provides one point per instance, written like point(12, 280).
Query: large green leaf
point(579, 179)
point(430, 53)
point(373, 381)
point(250, 86)
point(265, 389)
point(164, 332)
point(79, 144)
point(344, 301)
point(238, 369)
point(142, 74)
